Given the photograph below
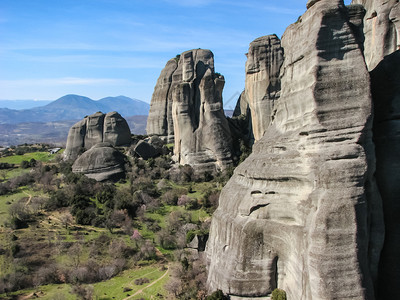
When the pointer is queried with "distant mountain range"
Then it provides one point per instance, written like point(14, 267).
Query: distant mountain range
point(72, 107)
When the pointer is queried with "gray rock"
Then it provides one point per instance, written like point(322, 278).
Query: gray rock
point(385, 83)
point(146, 150)
point(303, 213)
point(101, 162)
point(381, 29)
point(188, 110)
point(262, 89)
point(159, 121)
point(94, 129)
point(116, 129)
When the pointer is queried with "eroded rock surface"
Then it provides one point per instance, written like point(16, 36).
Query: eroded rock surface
point(94, 129)
point(101, 162)
point(188, 109)
point(381, 29)
point(159, 121)
point(263, 85)
point(303, 213)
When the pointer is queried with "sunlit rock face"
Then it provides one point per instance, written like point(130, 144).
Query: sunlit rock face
point(97, 128)
point(303, 213)
point(385, 85)
point(381, 29)
point(263, 85)
point(159, 121)
point(188, 95)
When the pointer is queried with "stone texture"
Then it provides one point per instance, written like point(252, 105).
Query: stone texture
point(303, 213)
point(101, 162)
point(96, 128)
point(263, 85)
point(146, 150)
point(188, 109)
point(385, 85)
point(381, 29)
point(159, 121)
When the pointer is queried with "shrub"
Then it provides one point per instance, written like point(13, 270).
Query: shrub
point(217, 295)
point(278, 294)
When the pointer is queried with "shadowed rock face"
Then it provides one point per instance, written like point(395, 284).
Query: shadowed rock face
point(188, 95)
point(96, 128)
point(381, 29)
point(303, 213)
point(385, 83)
point(101, 162)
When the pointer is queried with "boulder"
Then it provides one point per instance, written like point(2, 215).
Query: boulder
point(101, 162)
point(146, 150)
point(94, 129)
point(381, 29)
point(302, 212)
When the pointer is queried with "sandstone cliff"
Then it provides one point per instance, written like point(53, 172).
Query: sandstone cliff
point(381, 29)
point(187, 108)
point(263, 85)
point(96, 128)
point(303, 212)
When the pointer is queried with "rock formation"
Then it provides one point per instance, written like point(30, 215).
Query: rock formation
point(303, 213)
point(159, 121)
point(187, 107)
point(262, 87)
point(385, 85)
point(96, 128)
point(101, 162)
point(381, 29)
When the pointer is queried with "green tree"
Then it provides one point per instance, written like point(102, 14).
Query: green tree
point(278, 294)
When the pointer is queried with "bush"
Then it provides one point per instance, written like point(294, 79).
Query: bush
point(278, 294)
point(217, 295)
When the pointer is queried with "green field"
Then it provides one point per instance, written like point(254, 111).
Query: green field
point(17, 159)
point(110, 289)
point(7, 200)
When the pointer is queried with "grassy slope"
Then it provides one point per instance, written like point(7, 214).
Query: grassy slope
point(113, 288)
point(17, 159)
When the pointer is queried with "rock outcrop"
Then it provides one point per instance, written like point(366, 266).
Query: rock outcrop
point(101, 162)
point(303, 213)
point(381, 29)
point(187, 107)
point(159, 121)
point(385, 85)
point(262, 88)
point(94, 129)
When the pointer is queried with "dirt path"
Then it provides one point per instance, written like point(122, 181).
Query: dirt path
point(29, 199)
point(151, 284)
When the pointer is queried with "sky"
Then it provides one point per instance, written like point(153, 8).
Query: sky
point(100, 48)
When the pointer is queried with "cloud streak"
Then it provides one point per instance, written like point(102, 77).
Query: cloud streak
point(65, 81)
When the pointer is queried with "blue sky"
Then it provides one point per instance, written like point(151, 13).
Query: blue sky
point(99, 48)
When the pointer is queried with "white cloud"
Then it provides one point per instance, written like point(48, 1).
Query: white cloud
point(66, 81)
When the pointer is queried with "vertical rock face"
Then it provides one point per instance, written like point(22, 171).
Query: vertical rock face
point(96, 128)
point(385, 85)
point(190, 93)
point(159, 121)
point(381, 29)
point(263, 86)
point(303, 212)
